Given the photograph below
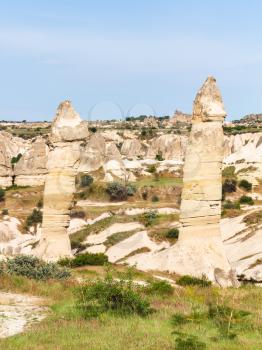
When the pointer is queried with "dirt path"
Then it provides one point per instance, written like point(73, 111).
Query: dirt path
point(18, 311)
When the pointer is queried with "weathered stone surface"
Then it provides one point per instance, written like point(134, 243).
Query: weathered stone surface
point(31, 169)
point(168, 146)
point(63, 161)
point(202, 182)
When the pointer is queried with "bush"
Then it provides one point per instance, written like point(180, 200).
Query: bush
point(108, 295)
point(229, 171)
point(246, 200)
point(151, 169)
point(79, 214)
point(32, 267)
point(92, 129)
point(246, 185)
point(159, 157)
point(155, 198)
point(229, 186)
point(86, 180)
point(116, 191)
point(34, 218)
point(85, 259)
point(189, 342)
point(145, 195)
point(131, 190)
point(172, 233)
point(160, 288)
point(231, 205)
point(193, 281)
point(225, 319)
point(5, 212)
point(150, 217)
point(2, 194)
point(16, 159)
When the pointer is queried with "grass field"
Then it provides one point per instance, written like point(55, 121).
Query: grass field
point(66, 329)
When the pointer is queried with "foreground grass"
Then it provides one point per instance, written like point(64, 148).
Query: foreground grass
point(65, 328)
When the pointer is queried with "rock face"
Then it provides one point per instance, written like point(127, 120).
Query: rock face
point(9, 147)
point(244, 152)
point(31, 169)
point(63, 160)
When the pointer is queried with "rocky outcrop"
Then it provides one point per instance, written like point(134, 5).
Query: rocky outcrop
point(244, 152)
point(31, 169)
point(68, 131)
point(242, 237)
point(169, 146)
point(9, 147)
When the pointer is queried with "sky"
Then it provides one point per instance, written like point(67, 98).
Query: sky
point(118, 58)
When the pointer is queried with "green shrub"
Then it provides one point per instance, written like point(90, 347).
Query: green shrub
point(246, 200)
point(150, 217)
point(151, 169)
point(85, 259)
point(92, 129)
point(34, 218)
point(5, 212)
point(159, 288)
point(159, 157)
point(16, 159)
point(173, 233)
point(225, 319)
point(86, 180)
point(231, 205)
point(131, 189)
point(229, 186)
point(193, 281)
point(108, 295)
point(246, 185)
point(189, 342)
point(229, 171)
point(32, 267)
point(155, 198)
point(2, 194)
point(116, 191)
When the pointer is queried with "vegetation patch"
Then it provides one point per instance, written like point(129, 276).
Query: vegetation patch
point(108, 295)
point(91, 259)
point(246, 200)
point(193, 281)
point(245, 185)
point(32, 267)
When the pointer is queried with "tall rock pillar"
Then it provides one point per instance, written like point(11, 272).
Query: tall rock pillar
point(67, 133)
point(202, 185)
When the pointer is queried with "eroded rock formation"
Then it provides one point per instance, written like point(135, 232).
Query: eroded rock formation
point(199, 249)
point(68, 130)
point(202, 185)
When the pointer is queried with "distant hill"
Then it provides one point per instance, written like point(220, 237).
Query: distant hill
point(250, 119)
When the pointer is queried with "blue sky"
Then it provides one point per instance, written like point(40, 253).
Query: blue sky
point(118, 58)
